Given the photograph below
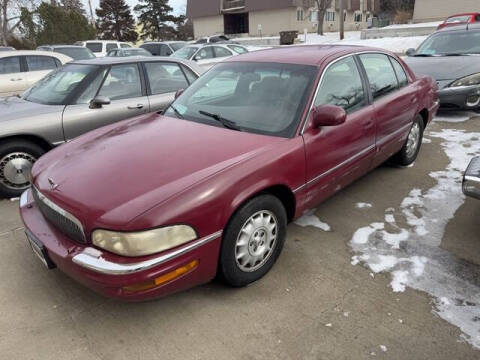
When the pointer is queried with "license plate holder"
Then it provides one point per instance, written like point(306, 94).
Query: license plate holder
point(39, 250)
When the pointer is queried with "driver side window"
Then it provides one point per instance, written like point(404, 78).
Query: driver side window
point(342, 86)
point(205, 53)
point(122, 82)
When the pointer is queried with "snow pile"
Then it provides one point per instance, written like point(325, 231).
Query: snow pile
point(454, 116)
point(395, 44)
point(413, 255)
point(410, 26)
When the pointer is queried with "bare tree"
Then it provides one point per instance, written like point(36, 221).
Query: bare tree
point(10, 17)
point(322, 6)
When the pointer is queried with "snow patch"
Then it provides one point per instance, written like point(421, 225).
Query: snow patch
point(454, 116)
point(413, 254)
point(362, 205)
point(310, 219)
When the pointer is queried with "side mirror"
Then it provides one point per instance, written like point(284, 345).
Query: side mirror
point(411, 52)
point(99, 101)
point(328, 115)
point(178, 93)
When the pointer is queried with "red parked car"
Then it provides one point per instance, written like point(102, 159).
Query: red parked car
point(157, 204)
point(459, 19)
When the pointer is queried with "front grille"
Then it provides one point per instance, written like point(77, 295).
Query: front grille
point(62, 220)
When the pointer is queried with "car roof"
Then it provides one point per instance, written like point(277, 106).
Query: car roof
point(303, 54)
point(63, 58)
point(105, 41)
point(163, 42)
point(106, 61)
point(461, 27)
point(63, 46)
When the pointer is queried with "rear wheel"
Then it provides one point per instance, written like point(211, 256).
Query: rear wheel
point(409, 152)
point(16, 161)
point(253, 240)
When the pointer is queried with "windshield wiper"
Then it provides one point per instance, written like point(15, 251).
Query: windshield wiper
point(422, 55)
point(178, 113)
point(225, 122)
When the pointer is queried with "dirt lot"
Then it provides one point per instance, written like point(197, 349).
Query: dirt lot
point(314, 304)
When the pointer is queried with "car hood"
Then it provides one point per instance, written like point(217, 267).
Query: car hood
point(13, 108)
point(445, 67)
point(112, 175)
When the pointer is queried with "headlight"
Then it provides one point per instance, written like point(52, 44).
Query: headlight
point(144, 242)
point(467, 81)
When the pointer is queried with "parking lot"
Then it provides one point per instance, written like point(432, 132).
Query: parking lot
point(324, 299)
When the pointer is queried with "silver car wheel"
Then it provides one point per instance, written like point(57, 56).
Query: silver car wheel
point(256, 241)
point(15, 170)
point(413, 140)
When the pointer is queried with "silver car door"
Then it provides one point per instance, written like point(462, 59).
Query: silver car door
point(124, 88)
point(163, 80)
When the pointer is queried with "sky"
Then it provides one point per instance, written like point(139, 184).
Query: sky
point(179, 6)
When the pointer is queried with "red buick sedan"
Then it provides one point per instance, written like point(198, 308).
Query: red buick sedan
point(459, 19)
point(161, 203)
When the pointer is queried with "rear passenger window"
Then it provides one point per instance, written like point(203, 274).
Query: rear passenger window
point(111, 46)
point(39, 63)
point(342, 86)
point(380, 74)
point(400, 71)
point(10, 65)
point(94, 47)
point(152, 49)
point(165, 78)
point(205, 53)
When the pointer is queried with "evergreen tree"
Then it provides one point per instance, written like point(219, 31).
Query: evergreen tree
point(115, 21)
point(73, 5)
point(51, 24)
point(156, 19)
point(184, 28)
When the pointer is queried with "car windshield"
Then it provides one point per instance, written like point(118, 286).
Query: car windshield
point(54, 88)
point(451, 42)
point(185, 52)
point(262, 98)
point(177, 46)
point(79, 53)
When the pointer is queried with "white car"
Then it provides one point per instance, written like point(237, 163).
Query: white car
point(101, 47)
point(207, 55)
point(20, 69)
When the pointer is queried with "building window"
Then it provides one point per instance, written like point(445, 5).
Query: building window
point(358, 17)
point(314, 18)
point(330, 16)
point(300, 15)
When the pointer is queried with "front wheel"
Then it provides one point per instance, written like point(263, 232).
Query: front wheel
point(409, 152)
point(16, 160)
point(253, 240)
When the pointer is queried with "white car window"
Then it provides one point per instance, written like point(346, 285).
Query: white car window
point(10, 65)
point(40, 63)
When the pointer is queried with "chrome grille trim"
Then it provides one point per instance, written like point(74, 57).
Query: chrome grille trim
point(61, 219)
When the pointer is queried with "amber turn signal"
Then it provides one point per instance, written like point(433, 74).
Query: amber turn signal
point(162, 279)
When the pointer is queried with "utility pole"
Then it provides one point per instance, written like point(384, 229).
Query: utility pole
point(92, 19)
point(342, 21)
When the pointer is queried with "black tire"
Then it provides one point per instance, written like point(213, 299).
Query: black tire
point(230, 270)
point(405, 156)
point(32, 152)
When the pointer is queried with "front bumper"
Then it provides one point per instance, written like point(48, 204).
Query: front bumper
point(471, 179)
point(460, 98)
point(108, 273)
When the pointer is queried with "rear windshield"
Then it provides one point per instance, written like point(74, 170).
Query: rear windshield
point(79, 53)
point(95, 47)
point(458, 19)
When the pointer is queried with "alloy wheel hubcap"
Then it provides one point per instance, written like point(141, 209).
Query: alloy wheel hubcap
point(256, 241)
point(413, 140)
point(15, 170)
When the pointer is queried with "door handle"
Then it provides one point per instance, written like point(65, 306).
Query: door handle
point(133, 107)
point(16, 79)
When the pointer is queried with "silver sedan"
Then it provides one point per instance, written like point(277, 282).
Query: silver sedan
point(79, 97)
